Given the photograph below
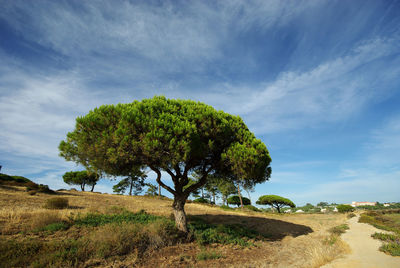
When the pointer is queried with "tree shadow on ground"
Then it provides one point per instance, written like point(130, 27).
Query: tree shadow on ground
point(271, 229)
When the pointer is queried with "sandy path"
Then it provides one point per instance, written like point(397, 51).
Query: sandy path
point(365, 249)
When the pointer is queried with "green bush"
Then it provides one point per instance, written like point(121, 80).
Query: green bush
point(338, 230)
point(224, 207)
point(57, 226)
point(391, 248)
point(345, 208)
point(386, 237)
point(201, 200)
point(236, 234)
point(252, 208)
point(56, 203)
point(208, 255)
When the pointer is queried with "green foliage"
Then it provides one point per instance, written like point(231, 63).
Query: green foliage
point(201, 200)
point(252, 208)
point(56, 203)
point(134, 181)
point(151, 189)
point(226, 187)
point(275, 201)
point(323, 204)
point(338, 230)
point(389, 221)
point(391, 248)
point(208, 255)
point(97, 219)
point(345, 208)
point(386, 237)
point(235, 200)
point(16, 179)
point(81, 178)
point(226, 207)
point(223, 233)
point(57, 226)
point(175, 136)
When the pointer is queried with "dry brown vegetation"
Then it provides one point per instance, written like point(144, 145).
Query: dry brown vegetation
point(301, 240)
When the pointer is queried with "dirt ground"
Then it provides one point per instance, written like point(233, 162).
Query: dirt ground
point(364, 249)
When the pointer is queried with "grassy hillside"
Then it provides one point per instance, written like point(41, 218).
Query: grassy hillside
point(103, 230)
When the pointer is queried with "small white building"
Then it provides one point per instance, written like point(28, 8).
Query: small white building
point(357, 204)
point(299, 211)
point(335, 209)
point(323, 210)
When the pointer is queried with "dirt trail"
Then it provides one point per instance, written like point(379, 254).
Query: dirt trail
point(365, 249)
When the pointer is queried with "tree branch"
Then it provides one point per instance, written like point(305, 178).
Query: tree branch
point(158, 172)
point(197, 185)
point(173, 176)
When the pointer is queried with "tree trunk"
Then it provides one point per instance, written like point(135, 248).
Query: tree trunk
point(278, 208)
point(159, 190)
point(92, 188)
point(202, 193)
point(179, 213)
point(214, 198)
point(130, 189)
point(240, 196)
point(83, 187)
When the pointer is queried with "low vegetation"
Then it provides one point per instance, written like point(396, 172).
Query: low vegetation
point(120, 232)
point(388, 220)
point(345, 208)
point(338, 230)
point(56, 203)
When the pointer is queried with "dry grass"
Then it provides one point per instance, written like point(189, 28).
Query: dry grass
point(295, 240)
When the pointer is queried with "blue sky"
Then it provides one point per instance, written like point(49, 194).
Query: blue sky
point(317, 81)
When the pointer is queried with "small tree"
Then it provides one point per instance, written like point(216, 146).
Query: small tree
point(275, 201)
point(151, 189)
point(235, 200)
point(323, 204)
point(177, 137)
point(135, 182)
point(345, 208)
point(81, 178)
point(226, 187)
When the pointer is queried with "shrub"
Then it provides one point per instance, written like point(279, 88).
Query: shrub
point(56, 203)
point(224, 207)
point(252, 208)
point(201, 200)
point(351, 215)
point(57, 226)
point(391, 248)
point(338, 230)
point(208, 255)
point(236, 234)
point(345, 208)
point(386, 237)
point(32, 192)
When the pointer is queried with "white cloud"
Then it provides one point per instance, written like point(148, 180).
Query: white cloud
point(332, 91)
